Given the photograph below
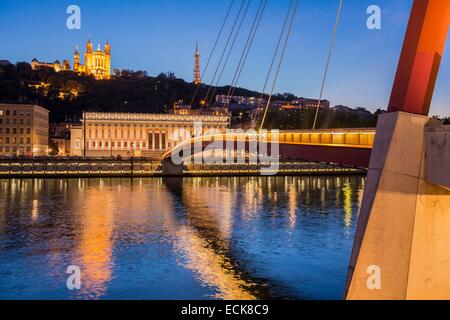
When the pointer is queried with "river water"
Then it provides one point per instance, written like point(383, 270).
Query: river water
point(199, 238)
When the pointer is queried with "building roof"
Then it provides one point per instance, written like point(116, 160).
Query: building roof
point(21, 105)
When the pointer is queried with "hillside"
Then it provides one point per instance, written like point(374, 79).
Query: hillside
point(67, 94)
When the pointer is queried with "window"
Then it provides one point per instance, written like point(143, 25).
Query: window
point(163, 141)
point(150, 140)
point(14, 130)
point(7, 130)
point(28, 141)
point(21, 130)
point(1, 113)
point(28, 130)
point(7, 112)
point(157, 144)
point(7, 140)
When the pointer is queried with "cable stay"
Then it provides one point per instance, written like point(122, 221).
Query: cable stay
point(330, 53)
point(292, 19)
point(246, 51)
point(213, 50)
point(225, 50)
point(229, 53)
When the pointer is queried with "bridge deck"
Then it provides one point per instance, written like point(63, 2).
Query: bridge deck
point(349, 147)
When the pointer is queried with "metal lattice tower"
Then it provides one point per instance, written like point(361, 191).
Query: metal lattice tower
point(197, 75)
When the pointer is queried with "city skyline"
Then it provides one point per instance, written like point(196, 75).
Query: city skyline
point(362, 68)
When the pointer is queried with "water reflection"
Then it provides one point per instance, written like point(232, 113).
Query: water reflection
point(96, 243)
point(221, 238)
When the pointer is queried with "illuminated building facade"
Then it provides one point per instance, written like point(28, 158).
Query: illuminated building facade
point(60, 135)
point(247, 101)
point(182, 109)
point(56, 66)
point(23, 130)
point(128, 134)
point(301, 104)
point(96, 63)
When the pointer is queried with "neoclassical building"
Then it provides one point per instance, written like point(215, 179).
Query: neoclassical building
point(148, 135)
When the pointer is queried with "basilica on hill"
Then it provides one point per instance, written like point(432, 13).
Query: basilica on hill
point(96, 63)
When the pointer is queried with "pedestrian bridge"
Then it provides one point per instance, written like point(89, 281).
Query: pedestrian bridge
point(346, 147)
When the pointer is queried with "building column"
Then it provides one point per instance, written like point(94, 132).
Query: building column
point(153, 140)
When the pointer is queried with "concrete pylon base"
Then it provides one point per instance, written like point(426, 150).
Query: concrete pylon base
point(402, 244)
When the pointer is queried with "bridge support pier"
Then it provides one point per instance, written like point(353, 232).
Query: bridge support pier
point(170, 169)
point(401, 248)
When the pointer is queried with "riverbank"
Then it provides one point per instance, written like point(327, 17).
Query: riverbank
point(146, 168)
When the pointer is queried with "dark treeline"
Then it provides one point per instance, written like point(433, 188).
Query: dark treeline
point(327, 118)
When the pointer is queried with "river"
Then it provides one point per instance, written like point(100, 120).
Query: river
point(192, 238)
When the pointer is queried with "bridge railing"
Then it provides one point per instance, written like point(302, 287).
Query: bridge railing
point(355, 138)
point(363, 138)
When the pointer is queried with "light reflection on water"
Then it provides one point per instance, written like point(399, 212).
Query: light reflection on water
point(201, 238)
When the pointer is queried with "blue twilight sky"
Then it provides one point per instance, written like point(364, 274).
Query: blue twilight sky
point(160, 36)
